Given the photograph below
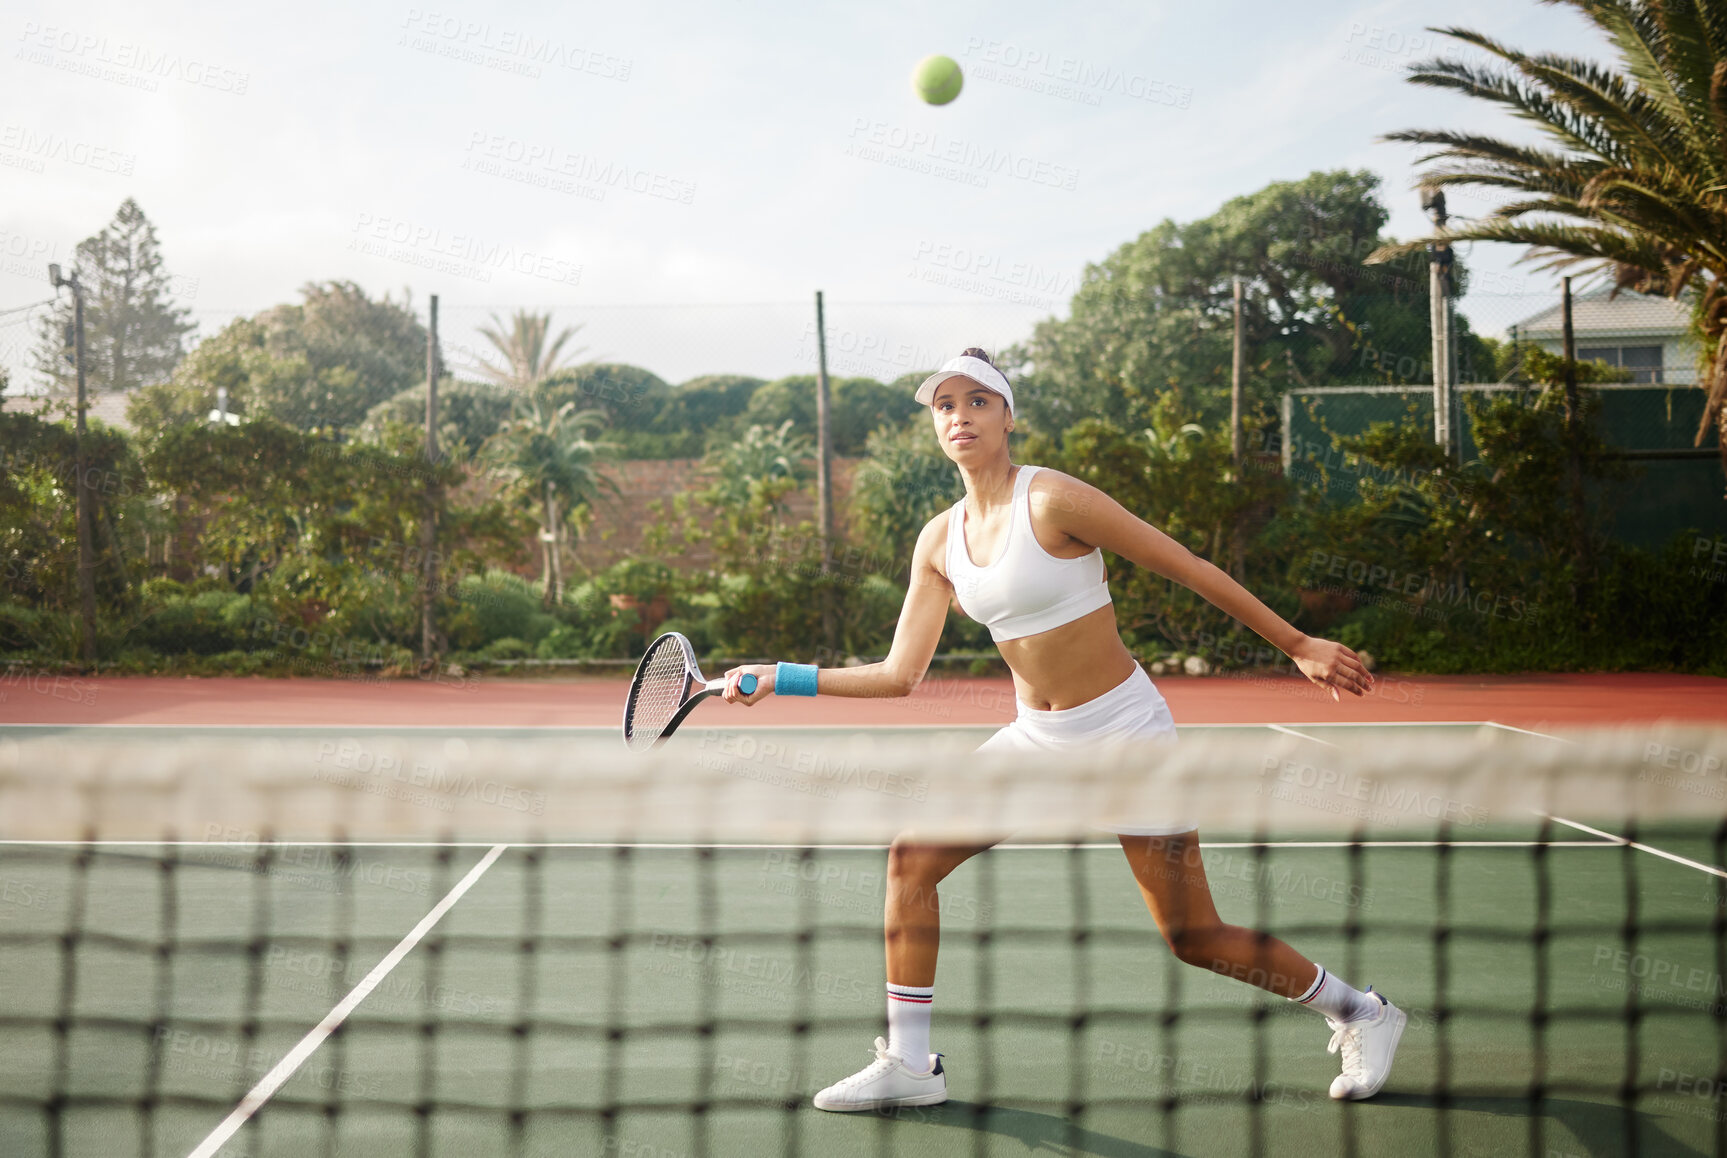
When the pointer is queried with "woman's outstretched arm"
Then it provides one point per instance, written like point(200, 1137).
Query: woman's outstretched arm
point(1091, 517)
point(914, 639)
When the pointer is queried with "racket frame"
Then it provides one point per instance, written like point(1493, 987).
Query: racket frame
point(693, 678)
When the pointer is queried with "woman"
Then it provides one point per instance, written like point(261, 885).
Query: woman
point(1022, 552)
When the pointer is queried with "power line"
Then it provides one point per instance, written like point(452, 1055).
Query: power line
point(31, 306)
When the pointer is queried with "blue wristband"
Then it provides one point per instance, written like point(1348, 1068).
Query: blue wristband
point(795, 679)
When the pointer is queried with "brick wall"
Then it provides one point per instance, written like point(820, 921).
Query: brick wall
point(620, 519)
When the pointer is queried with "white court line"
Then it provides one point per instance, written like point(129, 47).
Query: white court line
point(253, 846)
point(1364, 724)
point(1288, 731)
point(1620, 841)
point(296, 1057)
point(1617, 841)
point(613, 730)
point(1527, 732)
point(449, 729)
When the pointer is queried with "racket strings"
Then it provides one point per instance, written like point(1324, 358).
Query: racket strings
point(659, 695)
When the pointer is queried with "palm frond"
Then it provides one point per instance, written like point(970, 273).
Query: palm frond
point(1665, 48)
point(1642, 121)
point(1527, 102)
point(1567, 242)
point(1519, 159)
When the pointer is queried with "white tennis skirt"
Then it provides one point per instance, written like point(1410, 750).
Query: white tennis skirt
point(1132, 710)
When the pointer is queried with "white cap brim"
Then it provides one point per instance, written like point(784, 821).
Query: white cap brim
point(965, 366)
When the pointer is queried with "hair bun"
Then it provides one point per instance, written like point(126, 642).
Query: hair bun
point(974, 352)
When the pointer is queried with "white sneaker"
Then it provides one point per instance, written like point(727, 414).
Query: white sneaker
point(886, 1083)
point(1368, 1046)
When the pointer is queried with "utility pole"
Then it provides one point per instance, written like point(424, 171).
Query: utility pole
point(429, 520)
point(824, 472)
point(86, 516)
point(1573, 457)
point(824, 444)
point(1235, 388)
point(1439, 322)
point(1570, 343)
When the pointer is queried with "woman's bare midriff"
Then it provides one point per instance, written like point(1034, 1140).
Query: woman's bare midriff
point(1069, 665)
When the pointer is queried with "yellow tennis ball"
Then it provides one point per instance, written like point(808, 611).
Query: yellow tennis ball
point(937, 79)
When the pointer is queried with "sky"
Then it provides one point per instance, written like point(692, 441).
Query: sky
point(679, 177)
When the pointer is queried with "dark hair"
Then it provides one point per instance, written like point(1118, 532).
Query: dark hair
point(974, 352)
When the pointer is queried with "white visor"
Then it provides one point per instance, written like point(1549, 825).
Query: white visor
point(963, 366)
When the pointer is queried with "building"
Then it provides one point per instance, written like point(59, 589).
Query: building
point(105, 406)
point(1649, 336)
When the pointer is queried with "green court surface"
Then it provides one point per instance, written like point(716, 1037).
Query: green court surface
point(569, 979)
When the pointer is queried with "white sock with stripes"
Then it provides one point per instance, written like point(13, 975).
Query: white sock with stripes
point(1329, 995)
point(908, 1010)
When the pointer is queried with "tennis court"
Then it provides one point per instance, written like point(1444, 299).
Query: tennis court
point(660, 1000)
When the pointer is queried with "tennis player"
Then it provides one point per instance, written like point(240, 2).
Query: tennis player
point(1023, 553)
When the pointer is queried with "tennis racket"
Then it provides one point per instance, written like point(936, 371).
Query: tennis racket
point(667, 687)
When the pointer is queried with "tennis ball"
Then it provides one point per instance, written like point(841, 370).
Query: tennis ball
point(937, 79)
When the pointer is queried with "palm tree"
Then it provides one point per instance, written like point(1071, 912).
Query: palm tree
point(554, 466)
point(529, 360)
point(1635, 181)
point(544, 448)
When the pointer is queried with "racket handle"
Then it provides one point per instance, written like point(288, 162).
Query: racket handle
point(746, 684)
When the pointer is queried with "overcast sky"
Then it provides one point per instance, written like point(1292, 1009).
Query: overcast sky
point(679, 177)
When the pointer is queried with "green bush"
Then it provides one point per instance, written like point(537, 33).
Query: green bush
point(496, 606)
point(563, 642)
point(507, 648)
point(207, 623)
point(22, 629)
point(697, 629)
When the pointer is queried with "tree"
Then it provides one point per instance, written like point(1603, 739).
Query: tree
point(1156, 316)
point(38, 535)
point(1179, 476)
point(689, 419)
point(553, 468)
point(234, 360)
point(706, 402)
point(859, 406)
point(320, 532)
point(326, 362)
point(528, 359)
point(628, 398)
point(903, 482)
point(765, 465)
point(468, 413)
point(133, 333)
point(1631, 181)
point(357, 351)
point(544, 449)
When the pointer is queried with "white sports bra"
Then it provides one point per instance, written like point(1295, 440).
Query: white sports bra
point(1026, 590)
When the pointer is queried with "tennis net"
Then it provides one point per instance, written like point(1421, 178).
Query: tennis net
point(359, 942)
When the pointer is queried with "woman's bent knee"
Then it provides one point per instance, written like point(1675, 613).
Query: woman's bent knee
point(922, 864)
point(1198, 947)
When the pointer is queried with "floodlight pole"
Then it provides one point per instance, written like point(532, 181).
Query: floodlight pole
point(86, 523)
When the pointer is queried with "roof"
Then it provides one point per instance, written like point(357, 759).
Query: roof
point(108, 407)
point(1600, 311)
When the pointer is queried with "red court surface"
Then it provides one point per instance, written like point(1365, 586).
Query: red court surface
point(1527, 701)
